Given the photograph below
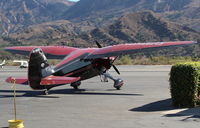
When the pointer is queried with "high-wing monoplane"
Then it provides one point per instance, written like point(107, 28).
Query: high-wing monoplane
point(78, 64)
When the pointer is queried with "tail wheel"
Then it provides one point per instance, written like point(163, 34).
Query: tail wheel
point(46, 92)
point(75, 85)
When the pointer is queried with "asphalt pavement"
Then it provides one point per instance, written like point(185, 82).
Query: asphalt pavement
point(143, 102)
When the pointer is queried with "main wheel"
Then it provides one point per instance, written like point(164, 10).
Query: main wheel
point(118, 84)
point(75, 85)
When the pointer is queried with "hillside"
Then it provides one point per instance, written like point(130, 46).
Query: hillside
point(17, 14)
point(189, 17)
point(144, 27)
point(148, 27)
point(135, 27)
point(49, 22)
point(89, 7)
point(101, 12)
point(60, 32)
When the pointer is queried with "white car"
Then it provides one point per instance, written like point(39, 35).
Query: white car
point(23, 63)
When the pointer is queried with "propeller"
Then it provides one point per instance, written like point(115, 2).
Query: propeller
point(116, 69)
point(99, 46)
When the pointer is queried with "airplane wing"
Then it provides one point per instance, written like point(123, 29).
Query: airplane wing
point(121, 49)
point(49, 80)
point(51, 52)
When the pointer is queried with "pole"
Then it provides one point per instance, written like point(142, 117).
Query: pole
point(14, 98)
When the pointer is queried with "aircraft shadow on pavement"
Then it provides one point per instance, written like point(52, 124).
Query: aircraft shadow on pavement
point(90, 92)
point(26, 93)
point(166, 105)
point(155, 106)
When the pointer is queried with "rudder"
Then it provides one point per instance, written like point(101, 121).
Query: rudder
point(38, 68)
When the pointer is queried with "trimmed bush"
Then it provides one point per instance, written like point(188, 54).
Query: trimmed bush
point(184, 84)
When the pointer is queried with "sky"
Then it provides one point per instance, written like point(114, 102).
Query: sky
point(74, 0)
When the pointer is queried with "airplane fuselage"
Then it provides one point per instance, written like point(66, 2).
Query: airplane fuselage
point(83, 69)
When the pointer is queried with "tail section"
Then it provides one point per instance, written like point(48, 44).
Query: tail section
point(38, 68)
point(40, 73)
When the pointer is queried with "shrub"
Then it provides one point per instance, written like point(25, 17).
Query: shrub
point(184, 84)
point(124, 60)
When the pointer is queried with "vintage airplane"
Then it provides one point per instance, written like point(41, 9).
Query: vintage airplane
point(3, 63)
point(78, 63)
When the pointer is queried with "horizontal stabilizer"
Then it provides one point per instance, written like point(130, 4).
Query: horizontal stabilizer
point(17, 80)
point(58, 80)
point(50, 80)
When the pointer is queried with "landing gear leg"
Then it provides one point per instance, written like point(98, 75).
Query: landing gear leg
point(75, 85)
point(118, 83)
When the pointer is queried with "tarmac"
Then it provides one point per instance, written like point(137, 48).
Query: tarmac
point(143, 102)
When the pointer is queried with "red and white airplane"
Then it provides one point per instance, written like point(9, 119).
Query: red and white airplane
point(78, 63)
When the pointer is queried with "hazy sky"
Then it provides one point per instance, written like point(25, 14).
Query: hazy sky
point(74, 0)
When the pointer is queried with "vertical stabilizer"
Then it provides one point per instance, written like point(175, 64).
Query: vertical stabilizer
point(38, 68)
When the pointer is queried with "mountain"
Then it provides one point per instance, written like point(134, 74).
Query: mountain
point(143, 27)
point(89, 7)
point(148, 27)
point(100, 12)
point(16, 14)
point(86, 8)
point(190, 16)
point(135, 27)
point(60, 32)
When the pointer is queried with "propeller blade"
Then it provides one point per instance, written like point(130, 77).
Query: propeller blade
point(99, 46)
point(116, 69)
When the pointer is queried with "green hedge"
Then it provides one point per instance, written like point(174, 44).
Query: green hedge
point(184, 84)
